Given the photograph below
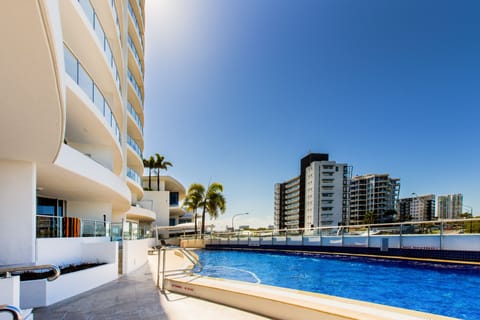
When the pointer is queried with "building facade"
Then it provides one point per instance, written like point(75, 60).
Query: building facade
point(417, 208)
point(450, 206)
point(373, 198)
point(165, 199)
point(71, 120)
point(316, 198)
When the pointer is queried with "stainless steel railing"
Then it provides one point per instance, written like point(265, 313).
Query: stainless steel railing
point(14, 311)
point(7, 271)
point(162, 260)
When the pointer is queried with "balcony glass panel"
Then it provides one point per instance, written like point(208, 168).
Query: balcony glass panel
point(135, 54)
point(85, 82)
point(71, 65)
point(135, 116)
point(135, 23)
point(134, 176)
point(98, 99)
point(115, 17)
point(92, 91)
point(102, 38)
point(134, 146)
point(88, 9)
point(135, 85)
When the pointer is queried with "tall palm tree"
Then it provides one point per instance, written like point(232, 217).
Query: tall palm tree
point(193, 199)
point(150, 164)
point(160, 163)
point(214, 202)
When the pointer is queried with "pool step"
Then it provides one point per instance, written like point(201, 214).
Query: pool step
point(281, 303)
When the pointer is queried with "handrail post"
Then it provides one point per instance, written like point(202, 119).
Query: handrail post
point(163, 267)
point(368, 236)
point(401, 239)
point(158, 268)
point(441, 235)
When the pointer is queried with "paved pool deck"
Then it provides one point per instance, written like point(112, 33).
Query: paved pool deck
point(135, 296)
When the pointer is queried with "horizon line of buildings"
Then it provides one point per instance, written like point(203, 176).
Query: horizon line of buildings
point(326, 194)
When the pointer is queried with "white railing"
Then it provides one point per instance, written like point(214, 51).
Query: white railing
point(456, 234)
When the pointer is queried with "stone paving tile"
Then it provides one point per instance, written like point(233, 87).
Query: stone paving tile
point(130, 297)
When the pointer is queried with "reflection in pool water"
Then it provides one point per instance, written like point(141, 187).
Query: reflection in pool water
point(445, 289)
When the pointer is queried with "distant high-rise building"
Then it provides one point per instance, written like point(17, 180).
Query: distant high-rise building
point(417, 208)
point(318, 197)
point(375, 193)
point(450, 206)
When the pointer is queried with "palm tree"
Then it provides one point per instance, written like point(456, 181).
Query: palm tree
point(150, 164)
point(213, 202)
point(193, 199)
point(160, 163)
point(369, 217)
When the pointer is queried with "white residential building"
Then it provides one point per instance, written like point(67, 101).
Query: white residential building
point(165, 199)
point(449, 206)
point(316, 198)
point(417, 208)
point(71, 126)
point(375, 193)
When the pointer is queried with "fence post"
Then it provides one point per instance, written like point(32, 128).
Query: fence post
point(441, 235)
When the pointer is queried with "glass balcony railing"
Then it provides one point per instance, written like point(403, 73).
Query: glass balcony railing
point(115, 17)
point(80, 76)
point(102, 38)
point(135, 54)
point(134, 176)
point(134, 146)
point(135, 85)
point(135, 116)
point(70, 227)
point(135, 23)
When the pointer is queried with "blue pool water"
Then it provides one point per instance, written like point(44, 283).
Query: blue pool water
point(445, 289)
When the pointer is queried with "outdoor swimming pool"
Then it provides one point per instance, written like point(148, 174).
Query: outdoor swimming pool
point(445, 289)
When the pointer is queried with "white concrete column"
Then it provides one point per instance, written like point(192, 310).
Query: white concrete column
point(17, 212)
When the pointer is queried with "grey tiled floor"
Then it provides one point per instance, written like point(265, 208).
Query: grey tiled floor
point(130, 297)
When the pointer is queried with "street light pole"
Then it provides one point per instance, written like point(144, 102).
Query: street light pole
point(236, 215)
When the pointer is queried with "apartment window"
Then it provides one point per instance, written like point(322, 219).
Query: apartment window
point(50, 207)
point(173, 199)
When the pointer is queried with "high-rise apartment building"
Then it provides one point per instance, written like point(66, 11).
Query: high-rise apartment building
point(376, 194)
point(417, 208)
point(71, 123)
point(449, 206)
point(316, 198)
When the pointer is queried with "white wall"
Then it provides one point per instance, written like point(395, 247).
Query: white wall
point(99, 153)
point(135, 254)
point(89, 210)
point(40, 293)
point(64, 251)
point(17, 212)
point(10, 291)
point(158, 201)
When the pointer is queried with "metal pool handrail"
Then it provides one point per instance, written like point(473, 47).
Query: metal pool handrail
point(8, 270)
point(186, 253)
point(14, 311)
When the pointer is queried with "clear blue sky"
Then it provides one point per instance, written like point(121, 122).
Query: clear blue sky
point(238, 91)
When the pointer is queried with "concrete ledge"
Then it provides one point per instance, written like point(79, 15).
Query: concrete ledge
point(281, 303)
point(41, 293)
